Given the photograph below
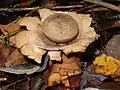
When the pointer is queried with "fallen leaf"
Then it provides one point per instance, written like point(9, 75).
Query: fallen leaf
point(107, 65)
point(61, 71)
point(93, 79)
point(10, 56)
point(15, 58)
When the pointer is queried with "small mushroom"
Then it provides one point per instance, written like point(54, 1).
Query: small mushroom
point(62, 70)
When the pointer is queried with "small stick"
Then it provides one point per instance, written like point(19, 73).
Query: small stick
point(21, 80)
point(104, 4)
point(18, 9)
point(66, 7)
point(98, 9)
point(36, 8)
point(85, 8)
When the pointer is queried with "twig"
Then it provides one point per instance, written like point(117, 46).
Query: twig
point(98, 9)
point(18, 9)
point(66, 7)
point(22, 9)
point(85, 8)
point(36, 8)
point(21, 80)
point(104, 4)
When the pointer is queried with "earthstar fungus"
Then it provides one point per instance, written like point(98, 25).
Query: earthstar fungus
point(64, 31)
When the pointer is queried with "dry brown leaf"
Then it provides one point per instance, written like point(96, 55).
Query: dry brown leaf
point(61, 71)
point(15, 58)
point(10, 56)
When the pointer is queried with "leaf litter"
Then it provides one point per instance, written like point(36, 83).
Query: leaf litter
point(26, 42)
